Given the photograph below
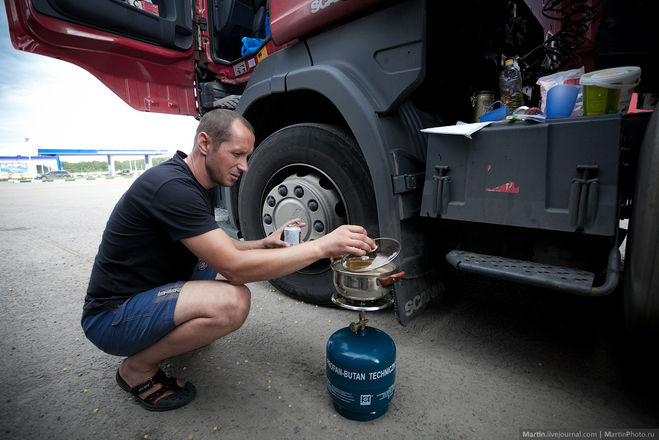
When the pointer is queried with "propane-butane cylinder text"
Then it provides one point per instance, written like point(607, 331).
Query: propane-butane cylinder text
point(373, 375)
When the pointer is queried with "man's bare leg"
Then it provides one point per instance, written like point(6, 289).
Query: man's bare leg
point(205, 311)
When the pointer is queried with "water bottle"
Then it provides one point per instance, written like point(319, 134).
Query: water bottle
point(510, 85)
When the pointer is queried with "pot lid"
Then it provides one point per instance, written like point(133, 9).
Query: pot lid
point(386, 249)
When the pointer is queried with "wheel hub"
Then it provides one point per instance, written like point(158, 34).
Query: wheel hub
point(306, 198)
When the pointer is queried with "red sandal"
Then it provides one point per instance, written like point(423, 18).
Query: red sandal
point(180, 395)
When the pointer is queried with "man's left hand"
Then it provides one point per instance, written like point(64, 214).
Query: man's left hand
point(276, 239)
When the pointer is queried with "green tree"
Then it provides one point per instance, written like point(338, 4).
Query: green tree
point(85, 167)
point(134, 164)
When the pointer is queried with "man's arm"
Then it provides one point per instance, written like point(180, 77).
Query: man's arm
point(241, 266)
point(247, 245)
point(273, 240)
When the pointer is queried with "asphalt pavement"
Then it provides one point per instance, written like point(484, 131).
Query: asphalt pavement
point(489, 360)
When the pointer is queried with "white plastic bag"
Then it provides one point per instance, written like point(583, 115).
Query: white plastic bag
point(565, 77)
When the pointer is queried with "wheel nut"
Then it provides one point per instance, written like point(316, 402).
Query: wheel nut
point(267, 219)
point(299, 192)
point(283, 191)
point(271, 201)
point(313, 205)
point(318, 226)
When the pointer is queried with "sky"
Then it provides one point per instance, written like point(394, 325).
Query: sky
point(56, 104)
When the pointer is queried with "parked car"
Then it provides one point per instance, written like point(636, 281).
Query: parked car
point(57, 174)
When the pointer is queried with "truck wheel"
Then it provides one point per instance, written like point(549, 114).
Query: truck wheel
point(317, 173)
point(641, 284)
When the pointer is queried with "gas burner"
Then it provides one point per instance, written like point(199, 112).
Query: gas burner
point(368, 306)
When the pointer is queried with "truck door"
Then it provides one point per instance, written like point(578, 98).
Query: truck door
point(141, 50)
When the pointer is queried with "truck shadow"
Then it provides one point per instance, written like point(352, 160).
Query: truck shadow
point(578, 341)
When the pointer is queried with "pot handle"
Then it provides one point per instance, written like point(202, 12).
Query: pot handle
point(388, 280)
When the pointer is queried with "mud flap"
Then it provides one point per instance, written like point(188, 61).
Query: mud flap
point(412, 296)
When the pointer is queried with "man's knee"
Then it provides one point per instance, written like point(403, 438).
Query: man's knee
point(235, 306)
point(243, 299)
point(223, 305)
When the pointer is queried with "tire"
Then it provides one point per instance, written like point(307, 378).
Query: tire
point(326, 183)
point(641, 283)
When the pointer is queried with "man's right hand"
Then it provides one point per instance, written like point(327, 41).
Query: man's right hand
point(346, 239)
point(240, 265)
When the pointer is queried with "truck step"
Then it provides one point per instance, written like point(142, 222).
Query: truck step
point(527, 272)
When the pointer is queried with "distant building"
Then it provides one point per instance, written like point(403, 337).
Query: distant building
point(17, 161)
point(25, 161)
point(27, 166)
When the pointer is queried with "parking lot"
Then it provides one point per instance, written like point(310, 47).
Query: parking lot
point(486, 361)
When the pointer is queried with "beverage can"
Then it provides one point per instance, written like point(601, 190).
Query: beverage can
point(293, 234)
point(480, 101)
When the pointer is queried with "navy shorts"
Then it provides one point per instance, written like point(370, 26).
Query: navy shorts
point(140, 321)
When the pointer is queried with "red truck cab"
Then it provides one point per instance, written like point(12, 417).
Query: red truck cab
point(339, 91)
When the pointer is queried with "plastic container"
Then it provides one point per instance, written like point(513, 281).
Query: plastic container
point(610, 90)
point(498, 114)
point(560, 101)
point(510, 85)
point(571, 76)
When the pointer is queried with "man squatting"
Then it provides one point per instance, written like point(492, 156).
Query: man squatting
point(167, 279)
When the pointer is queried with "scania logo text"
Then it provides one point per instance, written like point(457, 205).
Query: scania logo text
point(317, 5)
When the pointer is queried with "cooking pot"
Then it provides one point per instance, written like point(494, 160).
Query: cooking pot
point(369, 277)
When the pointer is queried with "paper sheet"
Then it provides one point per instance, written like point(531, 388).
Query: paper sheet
point(459, 129)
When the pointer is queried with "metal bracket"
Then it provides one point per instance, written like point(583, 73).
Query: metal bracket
point(584, 196)
point(405, 182)
point(441, 189)
point(408, 171)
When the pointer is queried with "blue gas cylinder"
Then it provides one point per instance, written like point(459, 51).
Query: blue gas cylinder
point(361, 369)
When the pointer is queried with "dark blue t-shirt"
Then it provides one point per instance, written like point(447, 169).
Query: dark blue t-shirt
point(141, 247)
